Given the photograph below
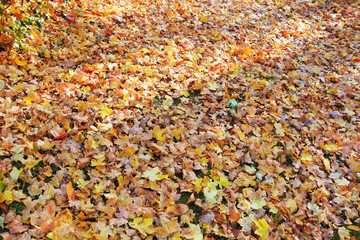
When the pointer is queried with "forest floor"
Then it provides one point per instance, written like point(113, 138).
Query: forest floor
point(180, 120)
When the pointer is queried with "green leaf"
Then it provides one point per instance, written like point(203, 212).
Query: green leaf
point(2, 186)
point(232, 103)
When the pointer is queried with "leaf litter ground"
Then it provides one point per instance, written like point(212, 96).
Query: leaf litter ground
point(183, 120)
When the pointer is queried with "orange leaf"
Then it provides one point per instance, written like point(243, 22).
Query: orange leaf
point(19, 62)
point(234, 215)
point(353, 227)
point(82, 216)
point(70, 191)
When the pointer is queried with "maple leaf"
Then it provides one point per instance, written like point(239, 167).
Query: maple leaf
point(157, 133)
point(195, 232)
point(306, 158)
point(198, 184)
point(105, 112)
point(169, 227)
point(6, 196)
point(153, 174)
point(129, 151)
point(262, 228)
point(143, 225)
point(204, 19)
point(213, 86)
point(223, 182)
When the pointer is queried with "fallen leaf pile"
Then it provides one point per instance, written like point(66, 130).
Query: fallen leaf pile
point(199, 119)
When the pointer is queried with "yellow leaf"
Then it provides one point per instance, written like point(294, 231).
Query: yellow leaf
point(247, 51)
point(306, 158)
point(88, 234)
point(143, 225)
point(88, 43)
point(129, 151)
point(326, 164)
point(105, 112)
point(148, 71)
point(86, 89)
point(203, 161)
point(145, 50)
point(204, 19)
point(329, 147)
point(177, 133)
point(223, 182)
point(168, 102)
point(92, 143)
point(292, 87)
point(240, 134)
point(99, 188)
point(6, 196)
point(51, 235)
point(157, 133)
point(262, 228)
point(176, 236)
point(19, 62)
point(185, 93)
point(198, 184)
point(291, 204)
point(28, 100)
point(97, 162)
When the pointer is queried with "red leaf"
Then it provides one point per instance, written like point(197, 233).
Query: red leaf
point(62, 136)
point(4, 207)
